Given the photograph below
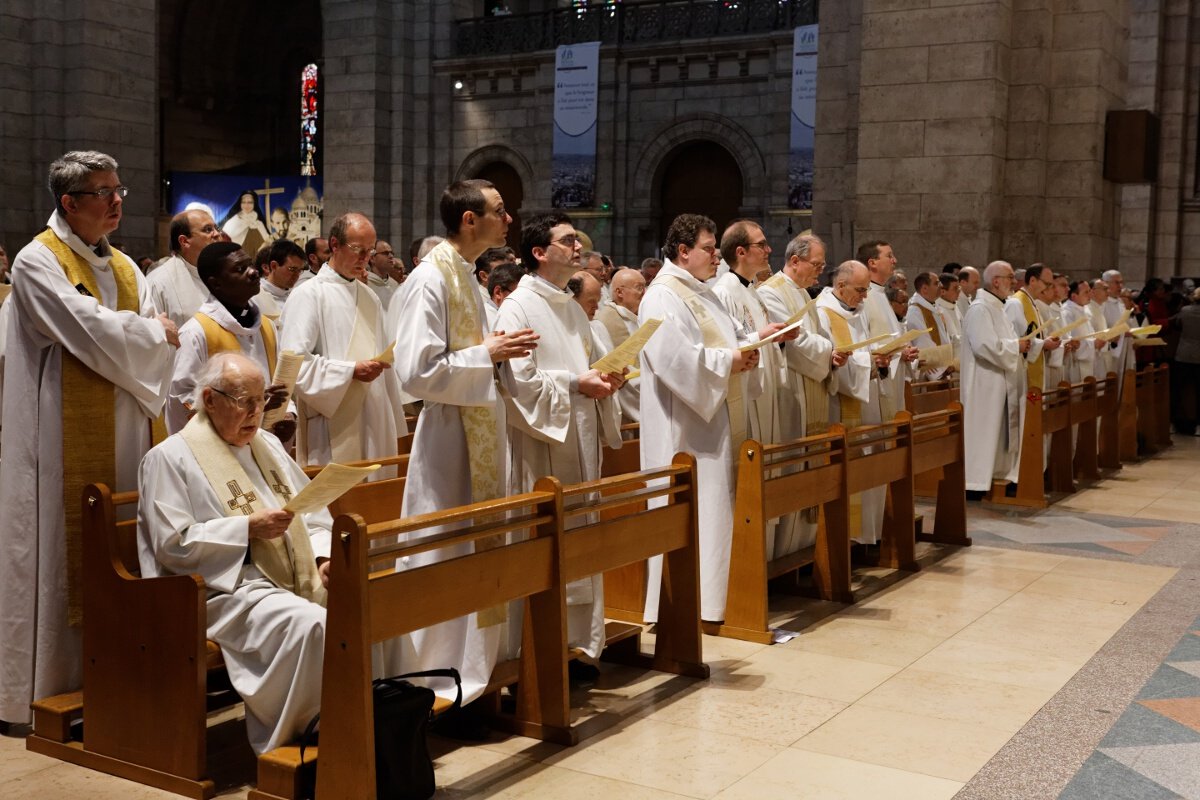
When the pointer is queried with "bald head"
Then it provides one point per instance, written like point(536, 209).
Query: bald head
point(628, 286)
point(586, 288)
point(192, 231)
point(851, 280)
point(998, 278)
point(351, 242)
point(969, 280)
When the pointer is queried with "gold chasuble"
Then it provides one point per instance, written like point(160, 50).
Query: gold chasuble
point(1036, 369)
point(219, 340)
point(287, 561)
point(713, 339)
point(479, 422)
point(851, 407)
point(931, 323)
point(89, 415)
point(816, 396)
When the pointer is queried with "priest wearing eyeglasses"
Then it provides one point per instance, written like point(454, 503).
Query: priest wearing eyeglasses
point(87, 367)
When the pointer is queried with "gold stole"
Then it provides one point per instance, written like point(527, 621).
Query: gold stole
point(1036, 369)
point(479, 422)
point(614, 323)
point(89, 415)
point(735, 401)
point(220, 340)
point(293, 567)
point(851, 415)
point(345, 426)
point(816, 395)
point(931, 323)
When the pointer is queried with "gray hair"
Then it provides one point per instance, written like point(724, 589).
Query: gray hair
point(427, 244)
point(801, 246)
point(845, 271)
point(992, 270)
point(896, 278)
point(213, 373)
point(70, 172)
point(1109, 274)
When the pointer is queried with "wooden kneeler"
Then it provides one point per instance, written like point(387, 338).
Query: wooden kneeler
point(774, 481)
point(1045, 413)
point(625, 587)
point(924, 397)
point(1108, 404)
point(1127, 434)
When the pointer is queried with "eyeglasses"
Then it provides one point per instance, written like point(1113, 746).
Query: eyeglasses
point(569, 241)
point(385, 253)
point(103, 194)
point(248, 404)
point(293, 270)
point(861, 289)
point(360, 252)
point(762, 245)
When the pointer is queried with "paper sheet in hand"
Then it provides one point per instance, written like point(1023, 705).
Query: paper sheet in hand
point(1064, 330)
point(1032, 333)
point(1146, 330)
point(631, 375)
point(1125, 315)
point(1108, 334)
point(1153, 341)
point(626, 353)
point(794, 323)
point(937, 357)
point(850, 348)
point(387, 356)
point(799, 315)
point(899, 341)
point(286, 371)
point(330, 484)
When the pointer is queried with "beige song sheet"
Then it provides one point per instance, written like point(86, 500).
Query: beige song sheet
point(330, 484)
point(1064, 330)
point(1033, 333)
point(626, 353)
point(1108, 334)
point(388, 356)
point(865, 343)
point(937, 357)
point(899, 341)
point(286, 371)
point(1153, 341)
point(1146, 330)
point(746, 348)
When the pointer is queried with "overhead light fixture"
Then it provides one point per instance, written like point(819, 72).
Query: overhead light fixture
point(458, 86)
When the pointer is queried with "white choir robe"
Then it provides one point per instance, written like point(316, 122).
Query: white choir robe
point(992, 387)
point(439, 472)
point(40, 655)
point(915, 321)
point(1055, 359)
point(319, 322)
point(963, 304)
point(807, 356)
point(1120, 349)
point(272, 640)
point(1106, 357)
point(176, 289)
point(766, 420)
point(1082, 363)
point(383, 287)
point(881, 319)
point(684, 388)
point(193, 353)
point(555, 430)
point(271, 300)
point(630, 395)
point(858, 379)
point(952, 318)
point(5, 313)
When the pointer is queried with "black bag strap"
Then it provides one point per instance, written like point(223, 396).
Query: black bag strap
point(450, 672)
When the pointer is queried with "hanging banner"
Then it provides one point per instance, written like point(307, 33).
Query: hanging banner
point(804, 117)
point(576, 88)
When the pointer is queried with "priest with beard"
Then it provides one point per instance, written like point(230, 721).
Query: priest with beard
point(561, 412)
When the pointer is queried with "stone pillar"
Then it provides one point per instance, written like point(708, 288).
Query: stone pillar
point(79, 79)
point(1142, 92)
point(836, 137)
point(1173, 222)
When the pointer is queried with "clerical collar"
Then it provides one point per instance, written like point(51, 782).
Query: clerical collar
point(845, 307)
point(246, 317)
point(745, 281)
point(560, 290)
point(993, 294)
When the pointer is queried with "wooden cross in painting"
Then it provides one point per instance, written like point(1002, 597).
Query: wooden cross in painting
point(265, 193)
point(241, 500)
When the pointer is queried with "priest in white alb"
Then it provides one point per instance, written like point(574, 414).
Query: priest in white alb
point(349, 401)
point(87, 366)
point(745, 249)
point(842, 309)
point(947, 303)
point(924, 315)
point(1083, 362)
point(880, 261)
point(284, 265)
point(175, 286)
point(446, 358)
point(619, 318)
point(211, 503)
point(696, 390)
point(561, 412)
point(992, 384)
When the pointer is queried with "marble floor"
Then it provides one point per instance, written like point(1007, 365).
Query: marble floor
point(956, 680)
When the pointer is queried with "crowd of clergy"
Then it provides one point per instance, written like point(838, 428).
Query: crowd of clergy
point(175, 384)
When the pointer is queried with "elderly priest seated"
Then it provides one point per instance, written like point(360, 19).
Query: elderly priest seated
point(211, 503)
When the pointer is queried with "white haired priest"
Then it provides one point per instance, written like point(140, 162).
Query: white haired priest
point(212, 500)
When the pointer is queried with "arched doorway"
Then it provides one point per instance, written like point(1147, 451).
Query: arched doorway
point(508, 183)
point(699, 177)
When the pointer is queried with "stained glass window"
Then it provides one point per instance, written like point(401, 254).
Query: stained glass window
point(308, 120)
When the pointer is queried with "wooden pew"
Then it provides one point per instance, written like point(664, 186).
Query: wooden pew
point(882, 455)
point(625, 587)
point(1108, 403)
point(1085, 419)
point(1127, 434)
point(369, 601)
point(938, 449)
point(1148, 406)
point(773, 481)
point(144, 674)
point(1045, 413)
point(922, 397)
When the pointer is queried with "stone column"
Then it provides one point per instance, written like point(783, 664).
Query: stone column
point(78, 79)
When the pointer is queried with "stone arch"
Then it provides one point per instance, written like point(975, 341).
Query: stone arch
point(509, 164)
point(490, 154)
point(647, 174)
